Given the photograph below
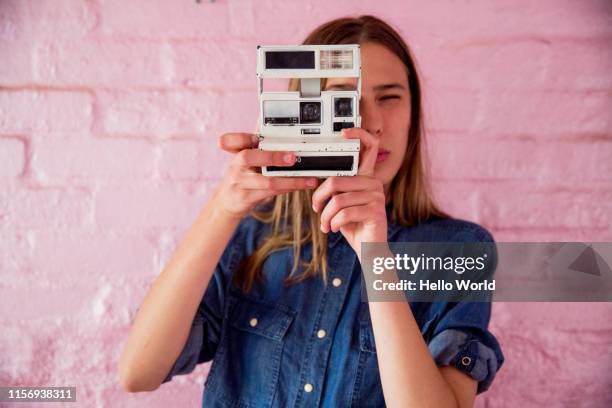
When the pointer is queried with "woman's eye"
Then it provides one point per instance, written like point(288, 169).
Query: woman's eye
point(388, 97)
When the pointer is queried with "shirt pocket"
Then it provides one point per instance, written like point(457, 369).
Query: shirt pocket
point(246, 367)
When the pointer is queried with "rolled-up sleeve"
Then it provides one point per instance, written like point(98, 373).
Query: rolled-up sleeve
point(205, 332)
point(458, 333)
point(469, 347)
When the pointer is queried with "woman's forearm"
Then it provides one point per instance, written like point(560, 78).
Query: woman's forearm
point(163, 321)
point(409, 375)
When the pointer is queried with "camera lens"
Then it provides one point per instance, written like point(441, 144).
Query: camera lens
point(343, 107)
point(310, 112)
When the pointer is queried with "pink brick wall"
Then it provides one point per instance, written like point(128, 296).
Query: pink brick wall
point(108, 115)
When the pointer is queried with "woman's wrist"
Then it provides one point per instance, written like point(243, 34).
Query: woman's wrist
point(219, 209)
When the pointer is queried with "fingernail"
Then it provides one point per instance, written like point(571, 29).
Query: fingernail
point(288, 158)
point(254, 139)
point(313, 208)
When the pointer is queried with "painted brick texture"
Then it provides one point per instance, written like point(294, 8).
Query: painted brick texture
point(109, 112)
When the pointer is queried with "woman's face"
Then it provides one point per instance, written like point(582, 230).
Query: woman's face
point(384, 107)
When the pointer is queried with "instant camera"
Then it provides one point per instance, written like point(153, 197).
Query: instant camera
point(308, 122)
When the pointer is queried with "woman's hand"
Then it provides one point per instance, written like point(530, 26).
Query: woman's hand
point(356, 205)
point(243, 186)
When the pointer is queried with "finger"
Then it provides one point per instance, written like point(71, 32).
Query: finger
point(345, 200)
point(350, 215)
point(334, 185)
point(258, 195)
point(367, 157)
point(258, 158)
point(235, 142)
point(256, 181)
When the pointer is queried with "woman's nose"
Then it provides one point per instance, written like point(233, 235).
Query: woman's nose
point(371, 119)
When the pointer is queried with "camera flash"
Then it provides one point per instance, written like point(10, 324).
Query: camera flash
point(336, 59)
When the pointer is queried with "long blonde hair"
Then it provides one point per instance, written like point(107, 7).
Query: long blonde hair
point(293, 222)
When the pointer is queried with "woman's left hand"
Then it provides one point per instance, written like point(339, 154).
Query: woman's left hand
point(356, 204)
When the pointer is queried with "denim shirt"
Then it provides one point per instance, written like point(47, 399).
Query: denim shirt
point(310, 345)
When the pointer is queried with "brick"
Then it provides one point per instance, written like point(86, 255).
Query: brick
point(103, 62)
point(555, 234)
point(531, 160)
point(10, 14)
point(516, 204)
point(459, 199)
point(217, 167)
point(102, 255)
point(164, 20)
point(549, 112)
point(490, 64)
point(238, 111)
point(47, 208)
point(581, 64)
point(450, 109)
point(30, 111)
point(520, 64)
point(85, 159)
point(49, 303)
point(146, 207)
point(215, 64)
point(80, 353)
point(572, 209)
point(12, 157)
point(548, 336)
point(27, 24)
point(565, 316)
point(483, 20)
point(14, 42)
point(289, 26)
point(16, 350)
point(183, 160)
point(190, 387)
point(18, 68)
point(16, 261)
point(59, 19)
point(158, 113)
point(242, 18)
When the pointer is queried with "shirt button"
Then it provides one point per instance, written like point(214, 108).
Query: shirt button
point(321, 333)
point(337, 282)
point(308, 387)
point(253, 322)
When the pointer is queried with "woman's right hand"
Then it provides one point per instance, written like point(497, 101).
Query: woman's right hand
point(243, 185)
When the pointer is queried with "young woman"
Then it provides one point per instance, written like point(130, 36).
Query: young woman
point(267, 282)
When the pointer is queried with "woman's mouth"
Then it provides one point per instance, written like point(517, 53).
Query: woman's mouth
point(382, 155)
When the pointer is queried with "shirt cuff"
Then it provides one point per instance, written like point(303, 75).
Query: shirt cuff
point(466, 352)
point(188, 359)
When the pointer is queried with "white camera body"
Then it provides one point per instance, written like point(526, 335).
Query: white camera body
point(309, 121)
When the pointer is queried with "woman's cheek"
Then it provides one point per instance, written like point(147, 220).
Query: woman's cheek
point(385, 171)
